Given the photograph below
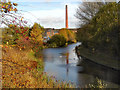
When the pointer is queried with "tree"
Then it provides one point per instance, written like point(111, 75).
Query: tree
point(64, 33)
point(68, 34)
point(71, 36)
point(106, 25)
point(13, 20)
point(9, 15)
point(57, 41)
point(102, 32)
point(36, 33)
point(87, 10)
point(83, 34)
point(14, 33)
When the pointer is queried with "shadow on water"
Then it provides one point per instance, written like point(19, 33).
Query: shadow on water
point(62, 63)
point(100, 71)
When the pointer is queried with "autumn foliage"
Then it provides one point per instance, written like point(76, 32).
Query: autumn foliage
point(36, 33)
point(102, 32)
point(8, 6)
point(20, 69)
point(68, 34)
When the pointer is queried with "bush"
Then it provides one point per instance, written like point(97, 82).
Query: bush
point(68, 34)
point(24, 43)
point(11, 34)
point(57, 41)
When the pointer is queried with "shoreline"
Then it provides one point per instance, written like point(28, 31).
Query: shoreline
point(97, 58)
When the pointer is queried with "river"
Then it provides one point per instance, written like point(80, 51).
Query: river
point(62, 63)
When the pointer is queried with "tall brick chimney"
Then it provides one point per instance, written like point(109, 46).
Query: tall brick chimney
point(66, 20)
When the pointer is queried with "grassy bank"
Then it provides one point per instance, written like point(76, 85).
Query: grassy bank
point(103, 58)
point(21, 69)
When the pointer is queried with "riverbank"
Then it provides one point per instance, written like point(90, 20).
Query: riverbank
point(21, 69)
point(101, 58)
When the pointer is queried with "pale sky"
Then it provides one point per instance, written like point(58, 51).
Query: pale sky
point(49, 13)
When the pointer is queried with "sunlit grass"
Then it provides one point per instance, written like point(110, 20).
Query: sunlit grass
point(98, 83)
point(20, 69)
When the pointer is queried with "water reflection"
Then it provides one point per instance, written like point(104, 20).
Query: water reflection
point(62, 63)
point(101, 72)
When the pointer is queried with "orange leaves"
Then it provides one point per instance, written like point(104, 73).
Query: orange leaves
point(10, 25)
point(21, 18)
point(19, 71)
point(15, 4)
point(68, 34)
point(15, 9)
point(8, 6)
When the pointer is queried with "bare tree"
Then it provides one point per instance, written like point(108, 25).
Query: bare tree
point(87, 10)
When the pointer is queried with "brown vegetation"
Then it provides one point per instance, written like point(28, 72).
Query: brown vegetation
point(20, 70)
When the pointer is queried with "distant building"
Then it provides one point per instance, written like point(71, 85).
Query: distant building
point(74, 29)
point(49, 32)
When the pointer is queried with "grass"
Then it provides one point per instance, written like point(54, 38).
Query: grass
point(100, 58)
point(20, 69)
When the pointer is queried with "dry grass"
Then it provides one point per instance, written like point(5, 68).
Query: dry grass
point(19, 70)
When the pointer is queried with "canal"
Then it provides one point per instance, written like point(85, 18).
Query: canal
point(63, 64)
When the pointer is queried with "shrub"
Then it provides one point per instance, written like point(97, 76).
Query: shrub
point(68, 34)
point(13, 33)
point(24, 43)
point(57, 41)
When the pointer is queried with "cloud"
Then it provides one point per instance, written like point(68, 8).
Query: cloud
point(54, 18)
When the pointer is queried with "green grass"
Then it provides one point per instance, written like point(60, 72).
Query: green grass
point(100, 57)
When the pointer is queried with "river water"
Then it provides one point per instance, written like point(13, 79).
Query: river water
point(63, 64)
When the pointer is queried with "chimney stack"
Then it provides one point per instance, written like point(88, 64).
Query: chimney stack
point(66, 17)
